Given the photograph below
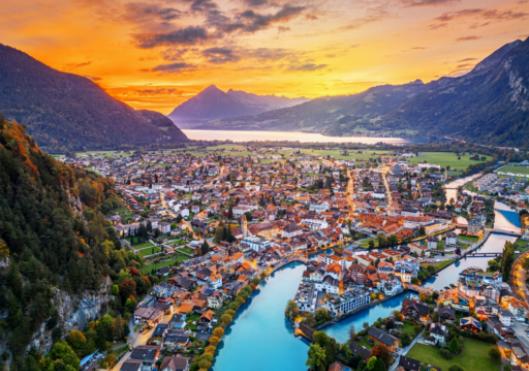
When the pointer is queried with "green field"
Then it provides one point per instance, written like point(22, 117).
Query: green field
point(142, 245)
point(445, 159)
point(475, 356)
point(148, 251)
point(107, 154)
point(337, 154)
point(510, 168)
point(174, 259)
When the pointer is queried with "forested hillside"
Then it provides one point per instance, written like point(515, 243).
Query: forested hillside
point(54, 240)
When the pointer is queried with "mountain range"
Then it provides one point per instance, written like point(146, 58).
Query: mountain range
point(64, 112)
point(489, 104)
point(212, 104)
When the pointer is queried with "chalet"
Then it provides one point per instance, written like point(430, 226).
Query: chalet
point(409, 364)
point(416, 310)
point(383, 338)
point(175, 363)
point(147, 355)
point(132, 365)
point(438, 333)
point(176, 339)
point(470, 324)
point(359, 350)
point(446, 313)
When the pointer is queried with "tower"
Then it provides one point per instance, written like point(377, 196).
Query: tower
point(244, 226)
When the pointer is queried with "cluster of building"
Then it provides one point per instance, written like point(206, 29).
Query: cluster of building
point(317, 210)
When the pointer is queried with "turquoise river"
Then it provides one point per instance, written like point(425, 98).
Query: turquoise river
point(260, 339)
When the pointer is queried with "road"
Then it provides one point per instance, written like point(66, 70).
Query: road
point(137, 338)
point(404, 351)
point(349, 194)
point(384, 172)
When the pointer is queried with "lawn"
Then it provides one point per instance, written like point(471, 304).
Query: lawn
point(168, 262)
point(515, 169)
point(441, 265)
point(445, 159)
point(475, 356)
point(148, 250)
point(142, 245)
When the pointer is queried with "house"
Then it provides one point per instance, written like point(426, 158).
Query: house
point(291, 230)
point(383, 338)
point(451, 239)
point(215, 300)
point(215, 280)
point(131, 365)
point(432, 243)
point(505, 318)
point(409, 364)
point(416, 310)
point(470, 324)
point(176, 339)
point(175, 363)
point(439, 333)
point(359, 350)
point(446, 313)
point(147, 355)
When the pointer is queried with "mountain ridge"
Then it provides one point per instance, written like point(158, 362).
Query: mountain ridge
point(490, 103)
point(213, 103)
point(64, 111)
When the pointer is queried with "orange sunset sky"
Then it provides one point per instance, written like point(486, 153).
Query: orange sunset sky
point(156, 54)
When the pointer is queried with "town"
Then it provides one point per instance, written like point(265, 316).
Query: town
point(369, 227)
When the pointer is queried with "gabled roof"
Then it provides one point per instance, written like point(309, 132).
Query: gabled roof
point(382, 336)
point(409, 364)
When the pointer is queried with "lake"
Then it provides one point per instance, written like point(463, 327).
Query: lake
point(280, 136)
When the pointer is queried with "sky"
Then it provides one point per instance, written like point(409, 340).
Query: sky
point(155, 54)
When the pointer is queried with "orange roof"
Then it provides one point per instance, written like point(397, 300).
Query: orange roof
point(185, 307)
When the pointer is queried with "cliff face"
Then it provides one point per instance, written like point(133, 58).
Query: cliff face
point(74, 311)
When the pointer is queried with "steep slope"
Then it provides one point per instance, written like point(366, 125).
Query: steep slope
point(213, 103)
point(68, 112)
point(55, 243)
point(332, 115)
point(490, 104)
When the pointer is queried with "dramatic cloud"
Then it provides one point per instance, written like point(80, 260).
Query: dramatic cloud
point(220, 55)
point(307, 67)
point(268, 53)
point(183, 36)
point(468, 38)
point(477, 14)
point(428, 2)
point(143, 12)
point(172, 67)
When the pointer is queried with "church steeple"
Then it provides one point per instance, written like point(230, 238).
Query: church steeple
point(244, 226)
